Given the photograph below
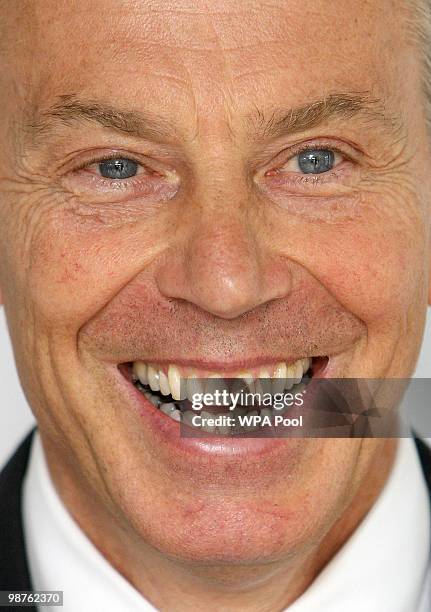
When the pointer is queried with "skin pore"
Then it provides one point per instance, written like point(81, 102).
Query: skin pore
point(219, 253)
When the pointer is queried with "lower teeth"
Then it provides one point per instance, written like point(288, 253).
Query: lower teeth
point(181, 410)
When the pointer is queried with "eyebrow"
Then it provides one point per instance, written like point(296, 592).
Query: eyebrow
point(69, 109)
point(336, 105)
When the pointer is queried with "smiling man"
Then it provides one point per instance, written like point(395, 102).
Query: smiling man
point(211, 188)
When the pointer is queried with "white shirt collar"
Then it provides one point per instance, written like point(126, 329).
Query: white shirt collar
point(381, 568)
point(61, 557)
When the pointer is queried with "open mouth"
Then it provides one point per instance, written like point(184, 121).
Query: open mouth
point(172, 390)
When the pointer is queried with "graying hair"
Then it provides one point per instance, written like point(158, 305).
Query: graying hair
point(420, 22)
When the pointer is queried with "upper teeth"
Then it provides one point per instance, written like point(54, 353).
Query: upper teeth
point(283, 376)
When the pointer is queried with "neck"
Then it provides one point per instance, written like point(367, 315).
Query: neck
point(182, 585)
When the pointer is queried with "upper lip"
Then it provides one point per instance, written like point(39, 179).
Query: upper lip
point(223, 366)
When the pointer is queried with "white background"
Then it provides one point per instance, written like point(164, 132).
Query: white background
point(16, 418)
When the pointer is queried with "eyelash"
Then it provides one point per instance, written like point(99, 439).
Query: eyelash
point(278, 177)
point(98, 159)
point(149, 181)
point(314, 147)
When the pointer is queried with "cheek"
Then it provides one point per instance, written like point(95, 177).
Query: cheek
point(75, 271)
point(375, 273)
point(374, 267)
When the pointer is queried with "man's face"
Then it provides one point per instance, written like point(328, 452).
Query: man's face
point(220, 253)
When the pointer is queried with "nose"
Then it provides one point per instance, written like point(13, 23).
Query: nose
point(221, 259)
point(222, 271)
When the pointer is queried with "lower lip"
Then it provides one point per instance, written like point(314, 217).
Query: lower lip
point(166, 432)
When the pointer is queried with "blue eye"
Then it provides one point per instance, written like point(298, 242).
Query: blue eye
point(120, 168)
point(316, 161)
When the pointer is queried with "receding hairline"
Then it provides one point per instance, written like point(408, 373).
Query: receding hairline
point(418, 23)
point(418, 16)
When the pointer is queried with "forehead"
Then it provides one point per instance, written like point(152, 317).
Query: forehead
point(208, 57)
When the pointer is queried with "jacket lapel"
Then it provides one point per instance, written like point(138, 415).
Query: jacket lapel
point(14, 572)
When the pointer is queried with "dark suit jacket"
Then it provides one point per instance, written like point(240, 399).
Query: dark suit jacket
point(14, 572)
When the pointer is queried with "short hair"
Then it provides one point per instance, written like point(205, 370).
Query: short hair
point(420, 28)
point(417, 14)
